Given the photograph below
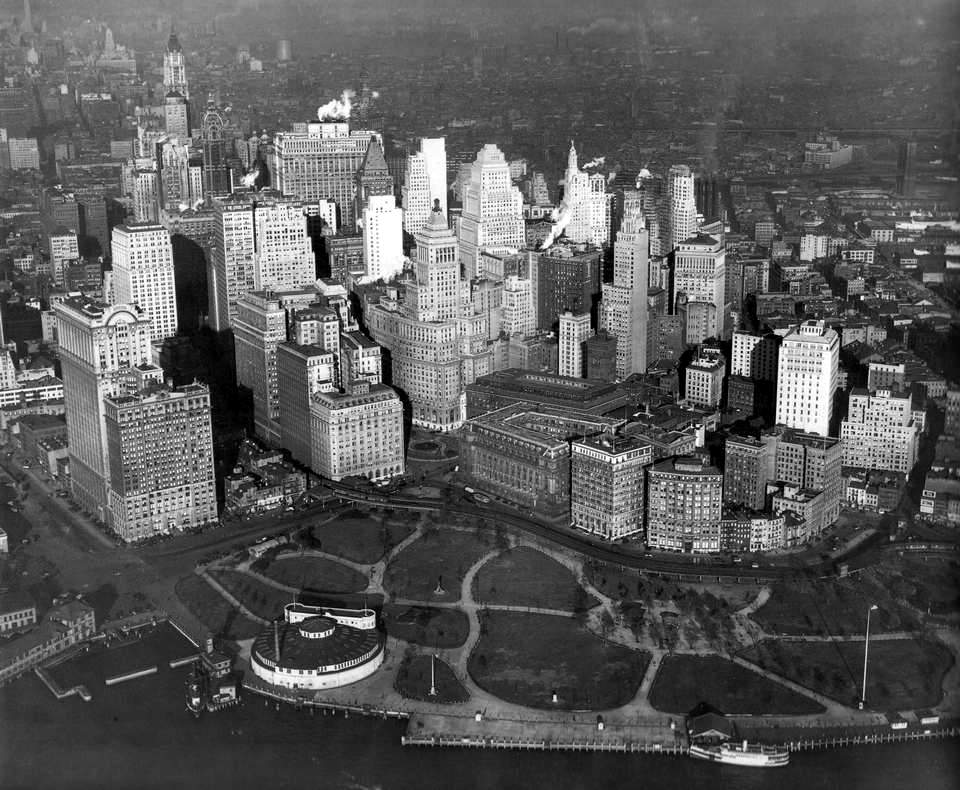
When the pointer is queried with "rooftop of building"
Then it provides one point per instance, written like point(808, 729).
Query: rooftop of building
point(297, 651)
point(615, 444)
point(357, 339)
point(41, 422)
point(344, 400)
point(15, 601)
point(686, 465)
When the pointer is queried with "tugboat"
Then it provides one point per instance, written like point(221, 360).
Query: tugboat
point(194, 694)
point(752, 755)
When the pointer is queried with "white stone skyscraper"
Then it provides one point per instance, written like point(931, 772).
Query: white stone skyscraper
point(492, 216)
point(425, 181)
point(174, 68)
point(382, 238)
point(585, 198)
point(807, 377)
point(681, 206)
point(143, 275)
point(574, 332)
point(623, 307)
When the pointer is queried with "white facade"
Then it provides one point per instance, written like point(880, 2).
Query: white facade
point(585, 199)
point(880, 432)
point(519, 314)
point(807, 377)
point(754, 356)
point(382, 238)
point(63, 249)
point(574, 332)
point(425, 181)
point(24, 153)
point(283, 251)
point(681, 206)
point(700, 274)
point(143, 275)
point(623, 309)
point(492, 216)
point(704, 381)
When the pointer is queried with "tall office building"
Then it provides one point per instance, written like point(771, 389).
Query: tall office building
point(161, 473)
point(684, 505)
point(681, 207)
point(382, 238)
point(749, 464)
point(373, 177)
point(174, 161)
point(704, 379)
point(813, 464)
point(907, 168)
point(216, 171)
point(302, 372)
point(880, 431)
point(755, 355)
point(424, 182)
point(492, 216)
point(699, 275)
point(320, 160)
point(104, 351)
point(146, 194)
point(259, 327)
point(564, 278)
point(607, 485)
point(623, 309)
point(175, 68)
point(807, 377)
point(575, 330)
point(357, 432)
point(176, 116)
point(143, 275)
point(586, 202)
point(261, 242)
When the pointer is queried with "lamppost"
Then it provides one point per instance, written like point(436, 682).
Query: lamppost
point(866, 651)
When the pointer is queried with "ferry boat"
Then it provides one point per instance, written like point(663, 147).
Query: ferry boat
point(751, 755)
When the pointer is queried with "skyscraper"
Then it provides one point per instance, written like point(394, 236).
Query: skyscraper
point(143, 275)
point(302, 372)
point(585, 199)
point(104, 351)
point(807, 377)
point(699, 274)
point(574, 332)
point(684, 505)
point(623, 309)
point(492, 216)
point(681, 207)
point(161, 476)
point(216, 173)
point(373, 177)
point(425, 181)
point(174, 68)
point(320, 160)
point(382, 238)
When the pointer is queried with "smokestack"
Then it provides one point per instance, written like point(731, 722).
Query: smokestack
point(276, 640)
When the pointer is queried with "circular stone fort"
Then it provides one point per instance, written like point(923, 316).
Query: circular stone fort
point(318, 648)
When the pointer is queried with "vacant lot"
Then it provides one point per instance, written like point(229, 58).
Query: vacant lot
point(440, 556)
point(683, 682)
point(526, 658)
point(902, 673)
point(426, 625)
point(315, 574)
point(414, 678)
point(527, 577)
point(832, 608)
point(359, 537)
point(213, 610)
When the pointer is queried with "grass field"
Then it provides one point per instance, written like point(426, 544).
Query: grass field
point(425, 625)
point(444, 555)
point(833, 608)
point(901, 674)
point(358, 537)
point(527, 577)
point(213, 610)
point(260, 598)
point(526, 658)
point(316, 574)
point(684, 681)
point(413, 681)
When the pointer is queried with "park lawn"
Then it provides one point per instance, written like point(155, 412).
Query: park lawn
point(684, 681)
point(932, 586)
point(443, 555)
point(901, 674)
point(260, 598)
point(429, 626)
point(215, 611)
point(413, 681)
point(315, 574)
point(834, 608)
point(526, 658)
point(526, 577)
point(358, 537)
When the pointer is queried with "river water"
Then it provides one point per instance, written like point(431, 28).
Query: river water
point(139, 735)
